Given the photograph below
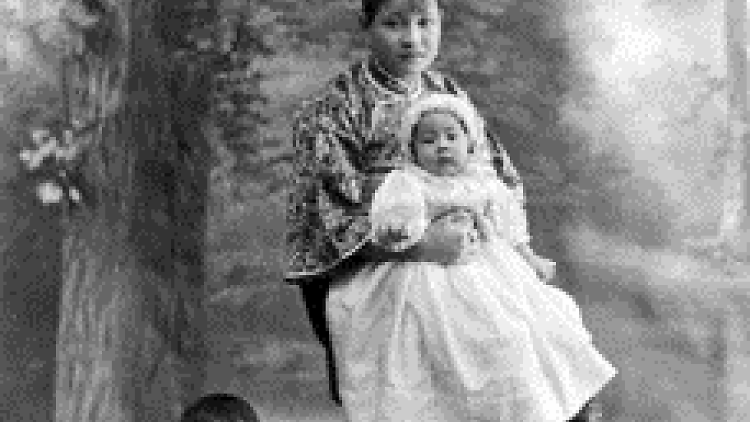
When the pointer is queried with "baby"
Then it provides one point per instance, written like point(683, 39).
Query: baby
point(442, 145)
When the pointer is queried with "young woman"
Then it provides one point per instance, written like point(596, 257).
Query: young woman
point(345, 137)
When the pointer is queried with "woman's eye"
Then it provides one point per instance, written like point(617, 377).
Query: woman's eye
point(390, 23)
point(425, 22)
point(451, 136)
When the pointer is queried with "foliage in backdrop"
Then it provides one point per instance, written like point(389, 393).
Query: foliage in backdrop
point(520, 61)
point(617, 170)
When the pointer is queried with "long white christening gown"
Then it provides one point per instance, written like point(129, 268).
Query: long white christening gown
point(482, 341)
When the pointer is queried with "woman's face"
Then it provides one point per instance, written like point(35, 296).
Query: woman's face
point(405, 36)
point(441, 144)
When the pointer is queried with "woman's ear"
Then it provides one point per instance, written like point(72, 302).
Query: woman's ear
point(363, 35)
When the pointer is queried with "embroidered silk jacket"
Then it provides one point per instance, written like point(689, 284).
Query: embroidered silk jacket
point(341, 138)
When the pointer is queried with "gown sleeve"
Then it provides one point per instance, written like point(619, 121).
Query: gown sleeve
point(506, 214)
point(508, 173)
point(325, 138)
point(399, 202)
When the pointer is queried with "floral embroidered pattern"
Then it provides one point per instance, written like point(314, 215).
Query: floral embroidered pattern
point(341, 138)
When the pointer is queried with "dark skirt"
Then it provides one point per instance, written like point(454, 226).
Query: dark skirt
point(314, 290)
point(314, 297)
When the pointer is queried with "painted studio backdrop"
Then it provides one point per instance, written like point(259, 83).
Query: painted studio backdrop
point(625, 120)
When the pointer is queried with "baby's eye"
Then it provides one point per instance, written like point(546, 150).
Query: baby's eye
point(424, 22)
point(462, 217)
point(451, 136)
point(390, 23)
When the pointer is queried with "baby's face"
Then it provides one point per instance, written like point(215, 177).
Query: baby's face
point(441, 144)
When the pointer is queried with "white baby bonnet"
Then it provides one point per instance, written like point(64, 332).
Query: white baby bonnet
point(459, 106)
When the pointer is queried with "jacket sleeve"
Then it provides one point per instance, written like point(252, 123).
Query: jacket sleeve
point(508, 173)
point(326, 143)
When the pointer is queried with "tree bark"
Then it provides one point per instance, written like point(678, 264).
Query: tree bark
point(30, 268)
point(734, 227)
point(734, 218)
point(130, 341)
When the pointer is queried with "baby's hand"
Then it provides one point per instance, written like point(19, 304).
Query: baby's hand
point(545, 268)
point(399, 230)
point(476, 225)
point(451, 239)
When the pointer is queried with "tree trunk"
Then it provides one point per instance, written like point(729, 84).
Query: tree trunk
point(29, 295)
point(734, 227)
point(734, 218)
point(130, 342)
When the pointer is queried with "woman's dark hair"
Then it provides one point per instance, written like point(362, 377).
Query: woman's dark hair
point(220, 408)
point(371, 8)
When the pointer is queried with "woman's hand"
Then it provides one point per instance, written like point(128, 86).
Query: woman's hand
point(451, 239)
point(544, 268)
point(400, 230)
point(371, 183)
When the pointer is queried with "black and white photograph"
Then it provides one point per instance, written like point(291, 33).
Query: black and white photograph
point(374, 211)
